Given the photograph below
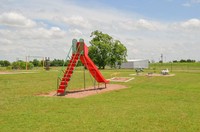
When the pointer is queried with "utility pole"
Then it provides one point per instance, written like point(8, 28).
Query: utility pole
point(161, 58)
point(26, 62)
point(43, 63)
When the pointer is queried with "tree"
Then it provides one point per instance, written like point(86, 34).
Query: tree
point(183, 61)
point(190, 61)
point(4, 63)
point(104, 50)
point(21, 65)
point(36, 63)
point(1, 63)
point(57, 62)
point(100, 48)
point(118, 54)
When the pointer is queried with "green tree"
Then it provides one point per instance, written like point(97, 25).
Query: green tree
point(183, 61)
point(4, 63)
point(1, 63)
point(100, 48)
point(16, 65)
point(118, 54)
point(21, 65)
point(36, 63)
point(57, 62)
point(104, 50)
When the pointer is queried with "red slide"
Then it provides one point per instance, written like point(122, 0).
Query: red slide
point(88, 63)
point(81, 51)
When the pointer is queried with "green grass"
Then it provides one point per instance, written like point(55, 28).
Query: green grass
point(176, 66)
point(148, 104)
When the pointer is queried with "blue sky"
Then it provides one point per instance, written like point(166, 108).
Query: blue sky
point(148, 28)
point(165, 10)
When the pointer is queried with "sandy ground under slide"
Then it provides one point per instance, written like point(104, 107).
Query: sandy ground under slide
point(87, 91)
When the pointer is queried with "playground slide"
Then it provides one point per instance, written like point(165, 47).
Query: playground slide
point(88, 63)
point(79, 50)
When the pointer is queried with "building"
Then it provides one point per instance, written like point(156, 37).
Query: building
point(137, 63)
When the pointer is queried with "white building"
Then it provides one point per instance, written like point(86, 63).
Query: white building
point(137, 63)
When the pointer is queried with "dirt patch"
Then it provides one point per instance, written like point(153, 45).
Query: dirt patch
point(87, 92)
point(121, 79)
point(15, 72)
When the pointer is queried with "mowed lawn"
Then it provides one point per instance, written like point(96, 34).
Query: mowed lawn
point(148, 104)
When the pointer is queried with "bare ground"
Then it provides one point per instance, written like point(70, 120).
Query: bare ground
point(14, 72)
point(121, 79)
point(87, 92)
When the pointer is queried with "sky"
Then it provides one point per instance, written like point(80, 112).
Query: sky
point(148, 28)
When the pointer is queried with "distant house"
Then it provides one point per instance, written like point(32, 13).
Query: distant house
point(137, 63)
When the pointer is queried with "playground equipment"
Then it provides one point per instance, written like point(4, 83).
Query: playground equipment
point(47, 63)
point(165, 72)
point(138, 70)
point(79, 52)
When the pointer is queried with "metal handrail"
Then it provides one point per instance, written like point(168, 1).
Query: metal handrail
point(71, 65)
point(62, 69)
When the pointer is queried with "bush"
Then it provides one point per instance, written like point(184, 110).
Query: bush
point(8, 67)
point(22, 65)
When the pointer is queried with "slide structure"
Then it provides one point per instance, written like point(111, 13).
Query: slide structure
point(79, 52)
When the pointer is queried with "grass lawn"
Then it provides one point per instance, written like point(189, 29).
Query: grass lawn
point(148, 104)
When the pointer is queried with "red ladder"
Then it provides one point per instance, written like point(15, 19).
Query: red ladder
point(68, 73)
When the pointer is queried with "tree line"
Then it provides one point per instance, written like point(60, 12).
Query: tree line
point(55, 63)
point(20, 64)
point(184, 61)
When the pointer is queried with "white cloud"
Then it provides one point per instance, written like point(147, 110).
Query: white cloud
point(192, 23)
point(186, 4)
point(75, 32)
point(15, 19)
point(144, 38)
point(141, 24)
point(33, 33)
point(189, 3)
point(195, 1)
point(56, 32)
point(76, 21)
point(5, 41)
